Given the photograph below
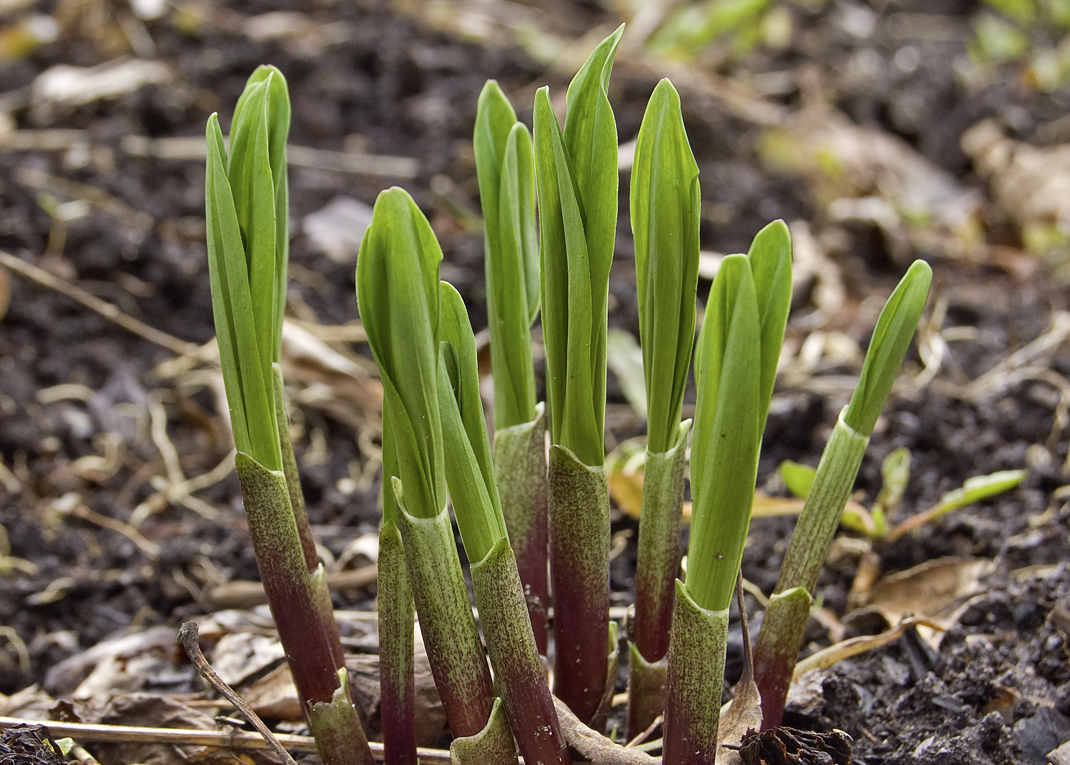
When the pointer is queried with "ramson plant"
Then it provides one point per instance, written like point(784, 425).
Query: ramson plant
point(529, 515)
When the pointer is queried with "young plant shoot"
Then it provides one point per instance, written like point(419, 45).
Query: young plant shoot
point(498, 590)
point(396, 611)
point(505, 167)
point(785, 620)
point(246, 210)
point(399, 301)
point(735, 367)
point(665, 227)
point(576, 170)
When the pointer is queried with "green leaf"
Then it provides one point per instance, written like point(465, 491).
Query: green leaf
point(246, 378)
point(797, 477)
point(895, 328)
point(577, 179)
point(770, 262)
point(505, 169)
point(249, 172)
point(665, 225)
point(469, 469)
point(398, 299)
point(724, 450)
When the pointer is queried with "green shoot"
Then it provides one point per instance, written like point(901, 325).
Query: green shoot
point(665, 226)
point(246, 211)
point(576, 171)
point(495, 577)
point(735, 363)
point(782, 630)
point(399, 300)
point(505, 166)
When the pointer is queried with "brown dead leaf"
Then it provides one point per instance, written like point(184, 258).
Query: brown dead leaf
point(626, 489)
point(932, 592)
point(1030, 184)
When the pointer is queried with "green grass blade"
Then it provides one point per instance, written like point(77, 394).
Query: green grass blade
point(665, 226)
point(895, 328)
point(398, 299)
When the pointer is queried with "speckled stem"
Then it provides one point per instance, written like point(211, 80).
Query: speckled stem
point(520, 469)
point(517, 668)
point(295, 606)
point(777, 650)
point(646, 690)
point(396, 646)
point(446, 619)
point(321, 592)
point(579, 569)
point(657, 568)
point(696, 679)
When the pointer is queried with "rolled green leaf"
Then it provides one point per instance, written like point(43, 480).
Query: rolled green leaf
point(895, 328)
point(398, 299)
point(770, 263)
point(469, 471)
point(576, 171)
point(665, 225)
point(246, 206)
point(505, 167)
point(724, 451)
point(246, 378)
point(577, 179)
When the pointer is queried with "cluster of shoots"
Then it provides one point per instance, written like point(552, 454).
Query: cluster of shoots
point(534, 520)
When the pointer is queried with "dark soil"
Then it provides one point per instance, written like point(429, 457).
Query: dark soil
point(78, 392)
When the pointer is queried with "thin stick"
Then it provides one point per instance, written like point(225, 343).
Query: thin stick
point(102, 307)
point(187, 637)
point(234, 739)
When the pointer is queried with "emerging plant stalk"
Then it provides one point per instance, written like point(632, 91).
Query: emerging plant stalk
point(785, 620)
point(397, 611)
point(576, 170)
point(246, 205)
point(735, 367)
point(505, 166)
point(665, 225)
point(498, 590)
point(399, 299)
